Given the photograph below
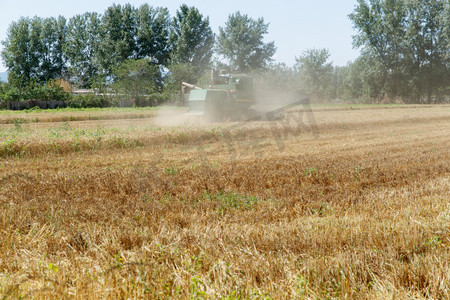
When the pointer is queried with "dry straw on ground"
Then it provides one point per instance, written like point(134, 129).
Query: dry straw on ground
point(355, 207)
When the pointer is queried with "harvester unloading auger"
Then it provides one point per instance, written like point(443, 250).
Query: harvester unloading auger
point(233, 97)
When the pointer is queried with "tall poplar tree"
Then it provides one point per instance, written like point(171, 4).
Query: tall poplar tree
point(83, 36)
point(409, 40)
point(153, 34)
point(192, 39)
point(118, 32)
point(241, 42)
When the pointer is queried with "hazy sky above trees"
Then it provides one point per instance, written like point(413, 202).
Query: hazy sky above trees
point(294, 25)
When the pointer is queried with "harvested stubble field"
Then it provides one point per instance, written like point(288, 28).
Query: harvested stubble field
point(346, 203)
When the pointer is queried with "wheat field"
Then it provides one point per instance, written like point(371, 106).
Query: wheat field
point(329, 203)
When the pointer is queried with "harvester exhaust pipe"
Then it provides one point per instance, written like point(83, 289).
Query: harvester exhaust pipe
point(191, 86)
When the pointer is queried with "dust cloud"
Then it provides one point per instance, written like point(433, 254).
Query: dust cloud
point(271, 105)
point(176, 117)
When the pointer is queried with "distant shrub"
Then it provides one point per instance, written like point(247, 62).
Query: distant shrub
point(88, 101)
point(33, 91)
point(60, 90)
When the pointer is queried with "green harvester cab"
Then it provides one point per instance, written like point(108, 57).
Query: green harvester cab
point(227, 97)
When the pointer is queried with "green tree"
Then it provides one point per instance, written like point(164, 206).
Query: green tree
point(17, 87)
point(118, 32)
point(241, 42)
point(130, 33)
point(53, 40)
point(409, 41)
point(21, 53)
point(192, 39)
point(153, 34)
point(33, 48)
point(279, 77)
point(83, 35)
point(315, 72)
point(427, 48)
point(137, 79)
point(177, 74)
point(361, 80)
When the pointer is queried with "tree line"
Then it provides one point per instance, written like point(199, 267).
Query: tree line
point(90, 47)
point(405, 53)
point(405, 56)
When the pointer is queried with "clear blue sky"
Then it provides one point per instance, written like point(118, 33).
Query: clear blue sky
point(295, 25)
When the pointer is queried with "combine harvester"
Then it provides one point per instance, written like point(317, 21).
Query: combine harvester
point(233, 97)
